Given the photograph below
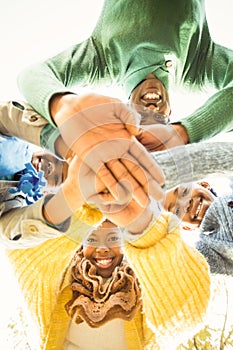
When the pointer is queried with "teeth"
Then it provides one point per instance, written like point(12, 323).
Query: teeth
point(104, 261)
point(198, 209)
point(154, 109)
point(151, 96)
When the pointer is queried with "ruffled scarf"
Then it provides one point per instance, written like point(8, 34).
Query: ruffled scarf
point(97, 301)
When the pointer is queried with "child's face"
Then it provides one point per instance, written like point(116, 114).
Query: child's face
point(189, 202)
point(55, 170)
point(103, 248)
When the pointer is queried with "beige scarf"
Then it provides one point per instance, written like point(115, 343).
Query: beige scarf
point(97, 301)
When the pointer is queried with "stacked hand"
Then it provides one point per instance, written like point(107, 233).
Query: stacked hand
point(161, 137)
point(101, 131)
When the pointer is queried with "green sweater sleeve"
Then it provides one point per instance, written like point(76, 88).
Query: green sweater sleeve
point(214, 69)
point(78, 66)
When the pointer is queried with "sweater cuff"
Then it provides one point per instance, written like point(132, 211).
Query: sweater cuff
point(157, 230)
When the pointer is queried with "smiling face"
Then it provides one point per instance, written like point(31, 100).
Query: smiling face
point(55, 170)
point(151, 100)
point(103, 248)
point(189, 202)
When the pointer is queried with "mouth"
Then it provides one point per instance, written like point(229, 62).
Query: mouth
point(104, 263)
point(197, 209)
point(36, 162)
point(152, 99)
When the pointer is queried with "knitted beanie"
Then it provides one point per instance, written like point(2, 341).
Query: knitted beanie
point(216, 238)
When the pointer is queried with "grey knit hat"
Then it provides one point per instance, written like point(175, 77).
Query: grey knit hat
point(216, 238)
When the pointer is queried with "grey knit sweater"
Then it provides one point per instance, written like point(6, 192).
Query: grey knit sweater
point(191, 163)
point(195, 161)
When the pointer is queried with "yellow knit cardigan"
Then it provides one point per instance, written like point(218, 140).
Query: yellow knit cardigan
point(174, 279)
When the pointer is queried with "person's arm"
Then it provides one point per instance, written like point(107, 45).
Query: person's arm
point(216, 114)
point(174, 280)
point(193, 162)
point(79, 66)
point(20, 120)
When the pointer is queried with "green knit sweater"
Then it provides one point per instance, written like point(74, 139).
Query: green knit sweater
point(134, 38)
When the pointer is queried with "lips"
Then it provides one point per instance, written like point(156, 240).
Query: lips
point(104, 263)
point(36, 162)
point(197, 209)
point(151, 97)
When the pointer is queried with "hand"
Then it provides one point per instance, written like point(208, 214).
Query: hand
point(161, 137)
point(132, 217)
point(99, 130)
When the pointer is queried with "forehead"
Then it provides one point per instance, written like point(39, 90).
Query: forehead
point(105, 228)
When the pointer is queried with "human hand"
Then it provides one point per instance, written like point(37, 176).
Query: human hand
point(99, 130)
point(161, 137)
point(131, 216)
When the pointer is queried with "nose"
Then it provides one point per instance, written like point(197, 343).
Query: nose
point(102, 248)
point(187, 205)
point(51, 168)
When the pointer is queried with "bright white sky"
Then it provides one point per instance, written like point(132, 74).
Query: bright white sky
point(31, 31)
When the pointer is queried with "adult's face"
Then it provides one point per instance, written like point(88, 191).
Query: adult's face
point(189, 202)
point(151, 100)
point(55, 170)
point(103, 248)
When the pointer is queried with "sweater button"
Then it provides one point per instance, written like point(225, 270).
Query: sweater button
point(33, 118)
point(230, 204)
point(168, 64)
point(32, 229)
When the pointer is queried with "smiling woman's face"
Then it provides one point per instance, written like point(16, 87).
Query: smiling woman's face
point(150, 99)
point(103, 248)
point(189, 202)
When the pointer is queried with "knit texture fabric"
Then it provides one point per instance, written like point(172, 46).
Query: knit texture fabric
point(216, 239)
point(96, 301)
point(123, 51)
point(173, 277)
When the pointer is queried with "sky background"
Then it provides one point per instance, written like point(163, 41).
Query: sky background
point(32, 31)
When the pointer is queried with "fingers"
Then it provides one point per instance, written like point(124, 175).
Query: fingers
point(112, 183)
point(123, 170)
point(128, 116)
point(145, 160)
point(145, 183)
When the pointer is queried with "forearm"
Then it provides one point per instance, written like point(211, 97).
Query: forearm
point(168, 271)
point(195, 161)
point(76, 66)
point(26, 227)
point(40, 93)
point(61, 206)
point(19, 119)
point(215, 116)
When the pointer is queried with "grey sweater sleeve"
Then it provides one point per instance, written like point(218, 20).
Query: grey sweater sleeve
point(195, 161)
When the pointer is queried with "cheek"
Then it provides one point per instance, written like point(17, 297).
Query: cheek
point(87, 252)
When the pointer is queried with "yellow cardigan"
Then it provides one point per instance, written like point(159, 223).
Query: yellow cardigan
point(174, 279)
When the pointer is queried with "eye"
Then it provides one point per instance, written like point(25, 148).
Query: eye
point(185, 192)
point(55, 180)
point(177, 211)
point(114, 239)
point(91, 240)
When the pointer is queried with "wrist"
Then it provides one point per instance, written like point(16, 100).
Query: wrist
point(62, 150)
point(182, 132)
point(139, 225)
point(57, 103)
point(56, 209)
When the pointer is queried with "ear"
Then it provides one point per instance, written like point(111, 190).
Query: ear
point(186, 228)
point(205, 185)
